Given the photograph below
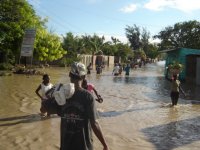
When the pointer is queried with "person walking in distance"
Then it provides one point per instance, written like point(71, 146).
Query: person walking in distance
point(89, 68)
point(79, 115)
point(116, 70)
point(127, 69)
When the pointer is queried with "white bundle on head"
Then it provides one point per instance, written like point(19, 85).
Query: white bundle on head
point(69, 90)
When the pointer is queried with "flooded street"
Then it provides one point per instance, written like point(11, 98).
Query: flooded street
point(135, 114)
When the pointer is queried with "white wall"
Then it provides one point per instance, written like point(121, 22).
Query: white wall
point(86, 59)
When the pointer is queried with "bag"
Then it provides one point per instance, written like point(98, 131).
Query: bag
point(57, 97)
point(51, 106)
point(65, 92)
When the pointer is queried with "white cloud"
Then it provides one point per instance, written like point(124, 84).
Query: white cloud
point(183, 5)
point(187, 5)
point(129, 8)
point(158, 5)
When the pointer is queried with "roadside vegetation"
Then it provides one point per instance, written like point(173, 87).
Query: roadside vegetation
point(16, 16)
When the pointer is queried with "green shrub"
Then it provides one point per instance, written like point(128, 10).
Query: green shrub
point(5, 66)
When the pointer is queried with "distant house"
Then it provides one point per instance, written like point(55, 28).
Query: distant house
point(190, 58)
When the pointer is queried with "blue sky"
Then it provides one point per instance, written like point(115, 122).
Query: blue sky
point(110, 17)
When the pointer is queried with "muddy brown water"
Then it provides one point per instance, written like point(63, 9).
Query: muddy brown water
point(135, 114)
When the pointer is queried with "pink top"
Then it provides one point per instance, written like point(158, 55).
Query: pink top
point(90, 87)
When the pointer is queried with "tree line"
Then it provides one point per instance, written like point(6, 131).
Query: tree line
point(18, 15)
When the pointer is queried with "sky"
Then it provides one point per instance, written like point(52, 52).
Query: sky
point(111, 17)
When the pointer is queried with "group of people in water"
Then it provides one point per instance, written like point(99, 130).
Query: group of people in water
point(79, 114)
point(117, 70)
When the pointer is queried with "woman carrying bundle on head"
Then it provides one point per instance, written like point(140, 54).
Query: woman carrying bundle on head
point(175, 89)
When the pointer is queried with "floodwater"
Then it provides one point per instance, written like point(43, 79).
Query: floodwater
point(135, 114)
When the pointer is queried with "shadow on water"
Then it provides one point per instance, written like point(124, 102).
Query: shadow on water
point(117, 113)
point(174, 134)
point(22, 119)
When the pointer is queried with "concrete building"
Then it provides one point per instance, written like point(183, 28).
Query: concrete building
point(190, 58)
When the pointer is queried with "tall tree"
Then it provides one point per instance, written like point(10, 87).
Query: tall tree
point(70, 43)
point(123, 51)
point(96, 42)
point(48, 46)
point(153, 51)
point(182, 34)
point(15, 17)
point(145, 36)
point(133, 35)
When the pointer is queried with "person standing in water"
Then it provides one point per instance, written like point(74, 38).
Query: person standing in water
point(89, 68)
point(79, 116)
point(115, 71)
point(127, 69)
point(90, 87)
point(44, 87)
point(175, 89)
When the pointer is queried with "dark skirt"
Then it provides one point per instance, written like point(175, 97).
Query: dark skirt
point(50, 106)
point(174, 95)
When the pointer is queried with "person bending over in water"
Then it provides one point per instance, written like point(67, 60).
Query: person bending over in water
point(175, 89)
point(44, 87)
point(90, 87)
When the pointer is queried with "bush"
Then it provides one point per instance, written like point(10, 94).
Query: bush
point(5, 66)
point(68, 61)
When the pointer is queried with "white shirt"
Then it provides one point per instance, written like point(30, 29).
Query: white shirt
point(116, 69)
point(45, 88)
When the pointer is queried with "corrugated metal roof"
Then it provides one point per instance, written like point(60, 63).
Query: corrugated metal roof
point(168, 50)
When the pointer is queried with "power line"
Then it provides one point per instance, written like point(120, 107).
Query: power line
point(57, 20)
point(105, 16)
point(60, 23)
